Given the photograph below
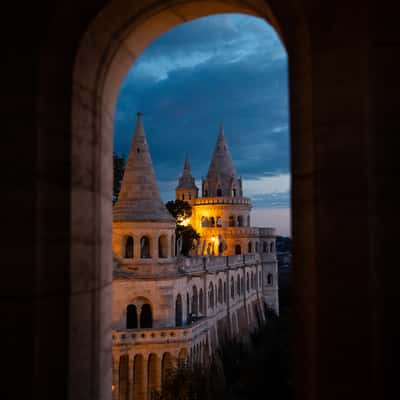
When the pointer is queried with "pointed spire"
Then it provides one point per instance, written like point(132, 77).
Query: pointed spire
point(221, 177)
point(221, 162)
point(186, 181)
point(139, 198)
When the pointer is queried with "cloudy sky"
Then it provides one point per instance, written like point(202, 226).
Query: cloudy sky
point(229, 69)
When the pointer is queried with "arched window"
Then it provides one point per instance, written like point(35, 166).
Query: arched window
point(271, 247)
point(270, 279)
point(129, 247)
point(211, 295)
point(249, 247)
point(219, 222)
point(225, 294)
point(144, 247)
point(178, 311)
point(238, 249)
point(124, 377)
point(265, 247)
point(232, 288)
point(238, 285)
point(152, 369)
point(204, 222)
point(195, 300)
point(248, 282)
point(162, 247)
point(231, 220)
point(146, 316)
point(219, 192)
point(183, 196)
point(220, 291)
point(239, 220)
point(166, 367)
point(131, 317)
point(188, 319)
point(201, 301)
point(212, 221)
point(233, 192)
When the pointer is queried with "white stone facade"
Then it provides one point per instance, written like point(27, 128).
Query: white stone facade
point(169, 309)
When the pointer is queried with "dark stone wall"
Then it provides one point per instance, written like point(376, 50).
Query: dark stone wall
point(344, 84)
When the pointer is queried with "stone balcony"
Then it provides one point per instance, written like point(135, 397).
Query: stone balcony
point(160, 335)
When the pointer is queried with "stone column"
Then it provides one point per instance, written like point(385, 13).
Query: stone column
point(115, 379)
point(130, 376)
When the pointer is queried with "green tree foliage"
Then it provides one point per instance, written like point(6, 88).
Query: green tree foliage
point(182, 210)
point(119, 164)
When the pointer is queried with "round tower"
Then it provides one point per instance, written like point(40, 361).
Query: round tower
point(143, 229)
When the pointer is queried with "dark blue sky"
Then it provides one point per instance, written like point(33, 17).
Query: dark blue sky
point(229, 69)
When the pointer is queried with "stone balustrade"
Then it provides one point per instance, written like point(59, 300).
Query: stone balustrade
point(222, 200)
point(267, 232)
point(160, 335)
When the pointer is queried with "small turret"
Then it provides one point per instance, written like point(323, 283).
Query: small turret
point(187, 189)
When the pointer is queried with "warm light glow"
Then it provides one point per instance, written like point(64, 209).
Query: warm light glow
point(113, 387)
point(185, 222)
point(213, 238)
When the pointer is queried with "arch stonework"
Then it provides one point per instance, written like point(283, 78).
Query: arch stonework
point(343, 107)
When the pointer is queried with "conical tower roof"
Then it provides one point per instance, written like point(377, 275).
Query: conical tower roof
point(186, 181)
point(221, 163)
point(139, 198)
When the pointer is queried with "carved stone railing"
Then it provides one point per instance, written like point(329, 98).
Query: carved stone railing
point(222, 200)
point(160, 335)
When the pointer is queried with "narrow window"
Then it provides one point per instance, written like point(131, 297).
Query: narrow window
point(131, 317)
point(129, 247)
point(238, 249)
point(146, 316)
point(178, 311)
point(144, 247)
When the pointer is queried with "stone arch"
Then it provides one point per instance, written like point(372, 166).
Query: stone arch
point(131, 317)
point(166, 367)
point(123, 377)
point(225, 293)
point(146, 316)
point(172, 246)
point(211, 295)
point(178, 311)
point(195, 301)
point(97, 81)
point(220, 301)
point(201, 301)
point(145, 251)
point(163, 246)
point(153, 375)
point(182, 357)
point(128, 247)
point(138, 377)
point(238, 249)
point(188, 319)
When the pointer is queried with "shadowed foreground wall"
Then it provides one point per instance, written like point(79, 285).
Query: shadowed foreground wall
point(56, 201)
